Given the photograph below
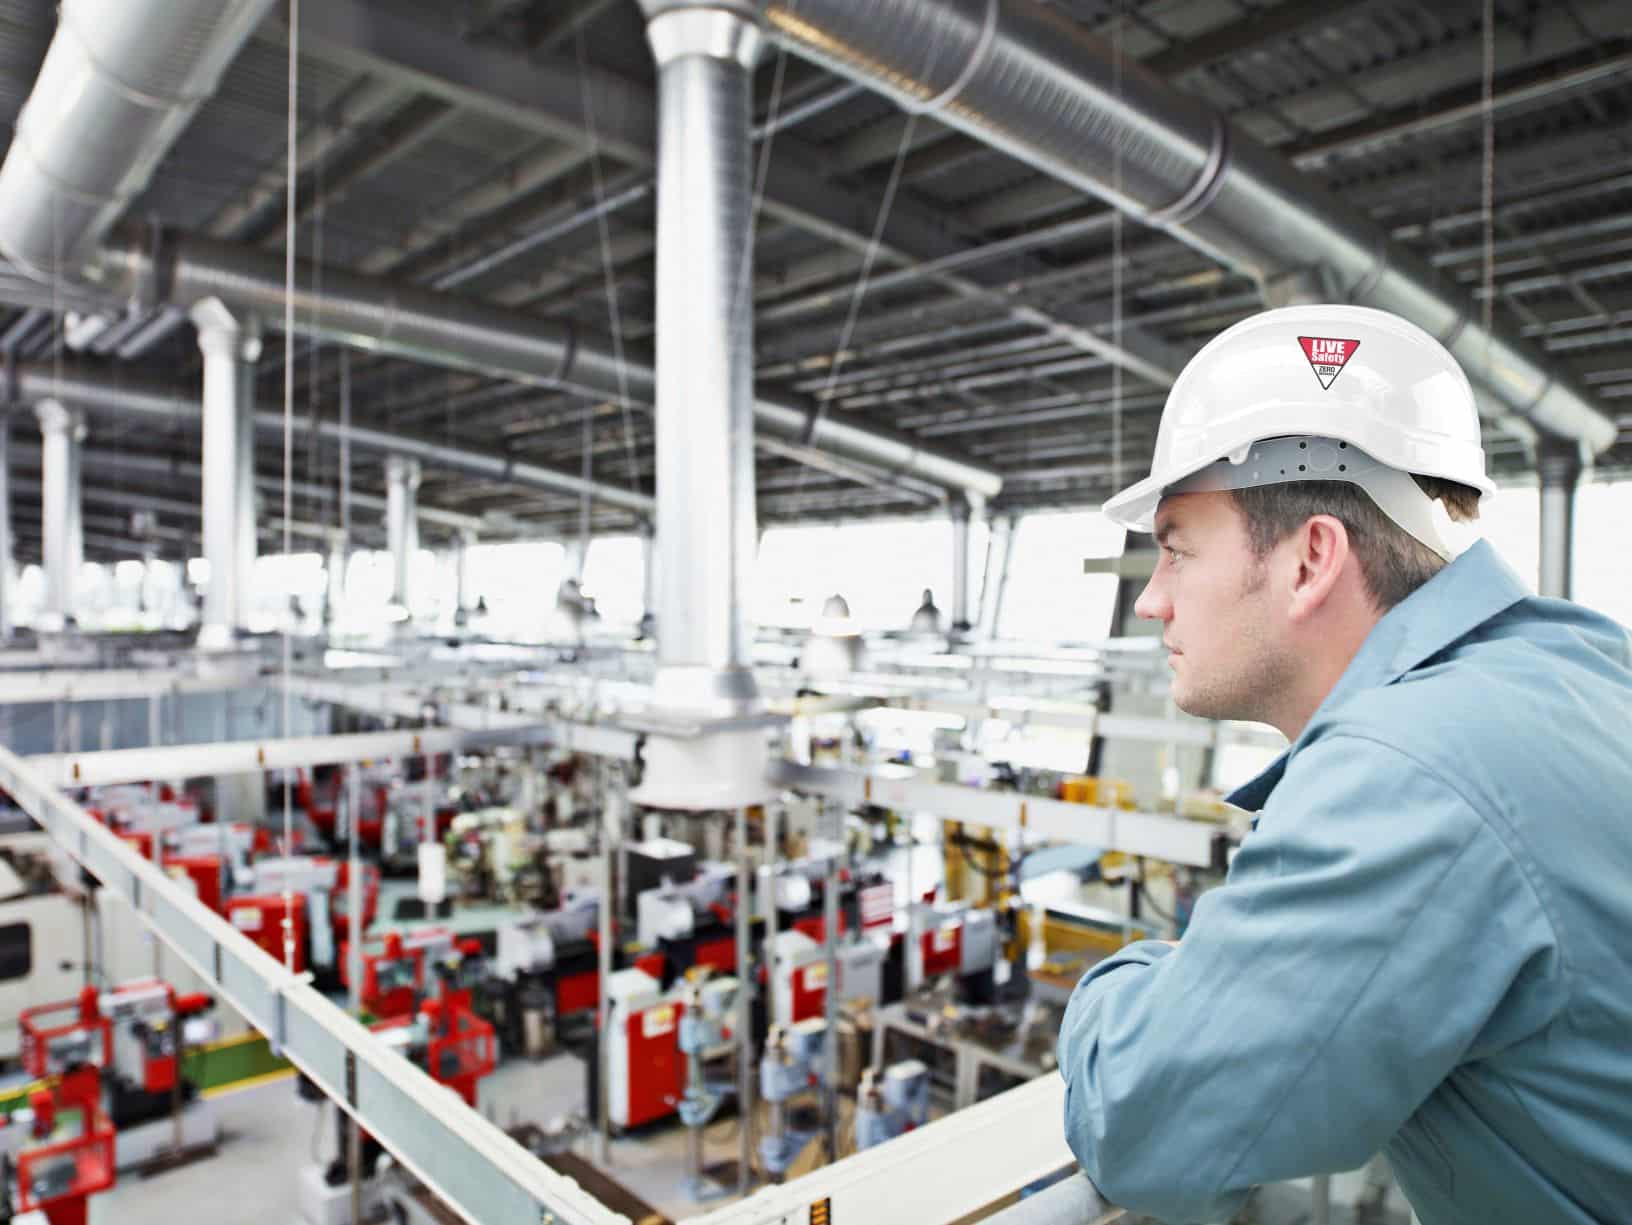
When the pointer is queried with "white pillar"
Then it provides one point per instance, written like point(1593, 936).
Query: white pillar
point(401, 522)
point(335, 578)
point(62, 431)
point(1559, 466)
point(230, 343)
point(463, 541)
point(964, 511)
point(7, 580)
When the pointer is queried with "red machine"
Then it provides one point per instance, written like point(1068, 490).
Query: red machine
point(86, 1037)
point(446, 1037)
point(393, 977)
point(148, 1018)
point(319, 892)
point(69, 1153)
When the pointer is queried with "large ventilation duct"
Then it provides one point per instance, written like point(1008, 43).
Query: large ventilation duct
point(446, 330)
point(119, 83)
point(705, 404)
point(106, 394)
point(1034, 84)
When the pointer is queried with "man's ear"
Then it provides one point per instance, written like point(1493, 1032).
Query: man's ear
point(1321, 553)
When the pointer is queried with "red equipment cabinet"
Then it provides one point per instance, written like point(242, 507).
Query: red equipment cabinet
point(205, 873)
point(648, 1071)
point(260, 918)
point(942, 947)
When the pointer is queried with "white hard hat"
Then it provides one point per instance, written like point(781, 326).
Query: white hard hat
point(1347, 375)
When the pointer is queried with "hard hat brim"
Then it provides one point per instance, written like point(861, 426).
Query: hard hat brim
point(1134, 509)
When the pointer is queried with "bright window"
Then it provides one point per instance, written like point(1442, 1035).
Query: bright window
point(880, 568)
point(615, 578)
point(1049, 598)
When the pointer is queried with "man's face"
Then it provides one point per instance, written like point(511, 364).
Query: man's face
point(1220, 622)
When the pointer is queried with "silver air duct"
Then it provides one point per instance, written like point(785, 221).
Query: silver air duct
point(98, 392)
point(445, 330)
point(119, 83)
point(1035, 85)
point(705, 404)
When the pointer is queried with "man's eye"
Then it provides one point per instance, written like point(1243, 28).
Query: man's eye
point(1172, 553)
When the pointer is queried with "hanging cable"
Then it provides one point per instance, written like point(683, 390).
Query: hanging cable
point(1116, 263)
point(603, 229)
point(1487, 202)
point(288, 457)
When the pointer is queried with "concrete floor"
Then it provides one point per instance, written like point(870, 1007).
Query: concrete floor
point(270, 1133)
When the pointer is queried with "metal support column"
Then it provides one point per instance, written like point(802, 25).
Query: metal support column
point(995, 585)
point(830, 939)
point(463, 541)
point(745, 1008)
point(1559, 466)
point(648, 588)
point(7, 581)
point(334, 590)
point(230, 343)
point(963, 512)
point(62, 432)
point(401, 524)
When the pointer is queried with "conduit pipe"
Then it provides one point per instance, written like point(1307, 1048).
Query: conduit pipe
point(160, 402)
point(1033, 83)
point(446, 330)
point(119, 83)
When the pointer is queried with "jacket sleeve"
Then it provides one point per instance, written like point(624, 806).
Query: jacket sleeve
point(1374, 932)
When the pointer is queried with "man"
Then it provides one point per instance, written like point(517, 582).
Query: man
point(1425, 944)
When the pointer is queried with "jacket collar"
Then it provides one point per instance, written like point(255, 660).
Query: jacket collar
point(1474, 588)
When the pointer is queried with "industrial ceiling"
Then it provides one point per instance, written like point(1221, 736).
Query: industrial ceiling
point(504, 151)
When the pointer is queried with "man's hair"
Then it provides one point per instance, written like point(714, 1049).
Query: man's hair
point(1392, 561)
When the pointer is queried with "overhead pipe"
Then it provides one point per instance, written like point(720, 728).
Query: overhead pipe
point(1036, 85)
point(459, 333)
point(119, 83)
point(101, 392)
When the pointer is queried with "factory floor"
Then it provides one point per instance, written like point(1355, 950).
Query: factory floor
point(269, 1133)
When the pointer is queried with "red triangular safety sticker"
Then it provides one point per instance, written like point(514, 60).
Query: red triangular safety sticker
point(1327, 356)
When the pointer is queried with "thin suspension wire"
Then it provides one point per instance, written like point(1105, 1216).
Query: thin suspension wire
point(859, 291)
point(1487, 203)
point(603, 230)
point(1116, 264)
point(288, 452)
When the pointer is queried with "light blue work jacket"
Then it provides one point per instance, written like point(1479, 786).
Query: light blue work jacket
point(1424, 946)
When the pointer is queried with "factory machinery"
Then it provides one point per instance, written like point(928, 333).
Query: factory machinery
point(835, 966)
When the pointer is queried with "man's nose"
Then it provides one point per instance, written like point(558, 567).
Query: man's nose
point(1153, 604)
